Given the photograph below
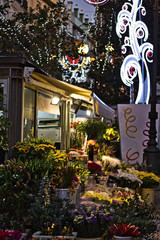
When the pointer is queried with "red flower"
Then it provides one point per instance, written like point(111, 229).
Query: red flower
point(124, 230)
point(92, 166)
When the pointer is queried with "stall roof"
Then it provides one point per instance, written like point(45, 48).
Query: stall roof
point(71, 89)
point(100, 108)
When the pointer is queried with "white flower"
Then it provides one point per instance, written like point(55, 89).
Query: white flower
point(110, 162)
point(130, 177)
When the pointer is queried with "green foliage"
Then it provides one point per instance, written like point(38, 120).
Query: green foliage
point(38, 33)
point(4, 125)
point(50, 219)
point(15, 189)
point(93, 128)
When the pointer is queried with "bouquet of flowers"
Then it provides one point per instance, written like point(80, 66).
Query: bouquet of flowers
point(110, 164)
point(65, 177)
point(124, 230)
point(10, 234)
point(94, 167)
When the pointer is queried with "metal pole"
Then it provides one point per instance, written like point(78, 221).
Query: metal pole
point(152, 153)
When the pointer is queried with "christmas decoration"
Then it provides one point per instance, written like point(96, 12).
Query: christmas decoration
point(135, 64)
point(96, 2)
point(75, 69)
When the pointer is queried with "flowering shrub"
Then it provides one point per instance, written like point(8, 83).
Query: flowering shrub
point(124, 230)
point(16, 186)
point(10, 234)
point(90, 222)
point(150, 180)
point(94, 167)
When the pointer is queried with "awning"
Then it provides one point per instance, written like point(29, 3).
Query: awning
point(101, 109)
point(71, 89)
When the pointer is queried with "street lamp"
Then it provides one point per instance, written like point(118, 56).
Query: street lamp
point(152, 152)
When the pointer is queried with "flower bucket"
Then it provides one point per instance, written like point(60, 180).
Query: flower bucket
point(64, 193)
point(148, 194)
point(122, 237)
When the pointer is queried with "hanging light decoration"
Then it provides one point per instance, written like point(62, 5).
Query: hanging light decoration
point(75, 69)
point(135, 64)
point(96, 2)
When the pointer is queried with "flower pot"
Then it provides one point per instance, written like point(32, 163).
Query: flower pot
point(38, 236)
point(122, 237)
point(148, 194)
point(97, 238)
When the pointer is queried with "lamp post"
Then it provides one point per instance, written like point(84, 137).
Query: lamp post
point(152, 152)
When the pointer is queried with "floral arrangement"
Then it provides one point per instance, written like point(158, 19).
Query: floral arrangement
point(129, 180)
point(91, 142)
point(90, 222)
point(100, 196)
point(118, 195)
point(94, 167)
point(110, 164)
point(10, 234)
point(41, 156)
point(150, 180)
point(65, 177)
point(124, 230)
point(112, 134)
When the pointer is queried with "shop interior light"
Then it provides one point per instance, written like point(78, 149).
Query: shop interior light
point(88, 112)
point(55, 100)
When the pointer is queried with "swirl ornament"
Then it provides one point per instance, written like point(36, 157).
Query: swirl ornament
point(130, 129)
point(96, 2)
point(135, 65)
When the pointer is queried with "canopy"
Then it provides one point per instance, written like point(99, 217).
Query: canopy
point(102, 109)
point(62, 85)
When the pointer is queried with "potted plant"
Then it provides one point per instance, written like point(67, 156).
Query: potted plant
point(90, 221)
point(65, 182)
point(124, 231)
point(51, 221)
point(150, 182)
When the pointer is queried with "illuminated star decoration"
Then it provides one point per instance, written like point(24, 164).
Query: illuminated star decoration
point(135, 64)
point(96, 2)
